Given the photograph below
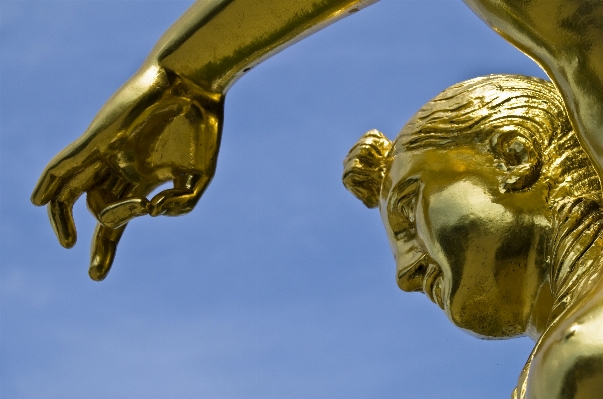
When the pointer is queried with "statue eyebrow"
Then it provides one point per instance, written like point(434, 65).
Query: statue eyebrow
point(400, 207)
point(402, 189)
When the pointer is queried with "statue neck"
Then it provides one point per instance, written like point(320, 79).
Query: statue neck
point(575, 253)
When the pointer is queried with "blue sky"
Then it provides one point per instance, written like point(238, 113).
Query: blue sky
point(280, 284)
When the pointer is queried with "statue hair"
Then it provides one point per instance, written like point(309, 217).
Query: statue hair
point(471, 112)
point(364, 167)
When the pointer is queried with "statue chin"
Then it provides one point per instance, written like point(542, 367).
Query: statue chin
point(488, 325)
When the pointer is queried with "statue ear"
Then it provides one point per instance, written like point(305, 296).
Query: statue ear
point(521, 159)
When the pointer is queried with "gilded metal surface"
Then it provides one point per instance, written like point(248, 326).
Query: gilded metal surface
point(164, 124)
point(565, 37)
point(491, 206)
point(493, 210)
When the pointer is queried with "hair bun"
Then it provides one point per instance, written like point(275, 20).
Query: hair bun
point(364, 167)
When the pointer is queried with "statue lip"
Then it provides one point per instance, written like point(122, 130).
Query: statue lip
point(431, 283)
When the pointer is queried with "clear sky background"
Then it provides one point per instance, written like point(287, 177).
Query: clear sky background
point(280, 284)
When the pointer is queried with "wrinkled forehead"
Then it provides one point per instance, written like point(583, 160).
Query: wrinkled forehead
point(450, 129)
point(460, 121)
point(466, 112)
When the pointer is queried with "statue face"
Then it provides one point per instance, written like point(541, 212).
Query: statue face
point(473, 250)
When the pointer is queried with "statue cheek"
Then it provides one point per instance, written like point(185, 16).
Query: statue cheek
point(437, 233)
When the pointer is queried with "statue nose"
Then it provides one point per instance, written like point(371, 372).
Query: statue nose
point(410, 277)
point(411, 264)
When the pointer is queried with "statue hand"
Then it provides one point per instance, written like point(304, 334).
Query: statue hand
point(158, 127)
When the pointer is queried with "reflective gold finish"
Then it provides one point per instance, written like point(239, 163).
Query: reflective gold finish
point(491, 206)
point(565, 37)
point(164, 124)
point(493, 210)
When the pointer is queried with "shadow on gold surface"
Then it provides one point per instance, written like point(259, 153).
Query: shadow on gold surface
point(490, 195)
point(493, 211)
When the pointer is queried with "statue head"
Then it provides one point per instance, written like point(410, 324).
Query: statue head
point(466, 194)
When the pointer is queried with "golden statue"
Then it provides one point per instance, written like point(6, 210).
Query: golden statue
point(490, 195)
point(492, 209)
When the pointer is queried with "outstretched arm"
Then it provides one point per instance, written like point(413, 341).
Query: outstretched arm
point(165, 123)
point(216, 41)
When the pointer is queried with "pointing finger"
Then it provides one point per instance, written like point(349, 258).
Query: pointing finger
point(60, 208)
point(61, 220)
point(77, 156)
point(102, 251)
point(46, 188)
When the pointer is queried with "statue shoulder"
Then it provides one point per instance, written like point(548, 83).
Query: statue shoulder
point(568, 359)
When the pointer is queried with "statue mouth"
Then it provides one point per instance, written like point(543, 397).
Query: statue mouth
point(433, 280)
point(425, 276)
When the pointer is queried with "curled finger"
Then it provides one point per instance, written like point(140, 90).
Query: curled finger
point(102, 250)
point(60, 207)
point(61, 220)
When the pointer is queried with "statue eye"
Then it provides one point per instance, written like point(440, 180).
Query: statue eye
point(401, 209)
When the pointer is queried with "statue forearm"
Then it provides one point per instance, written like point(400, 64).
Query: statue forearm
point(216, 41)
